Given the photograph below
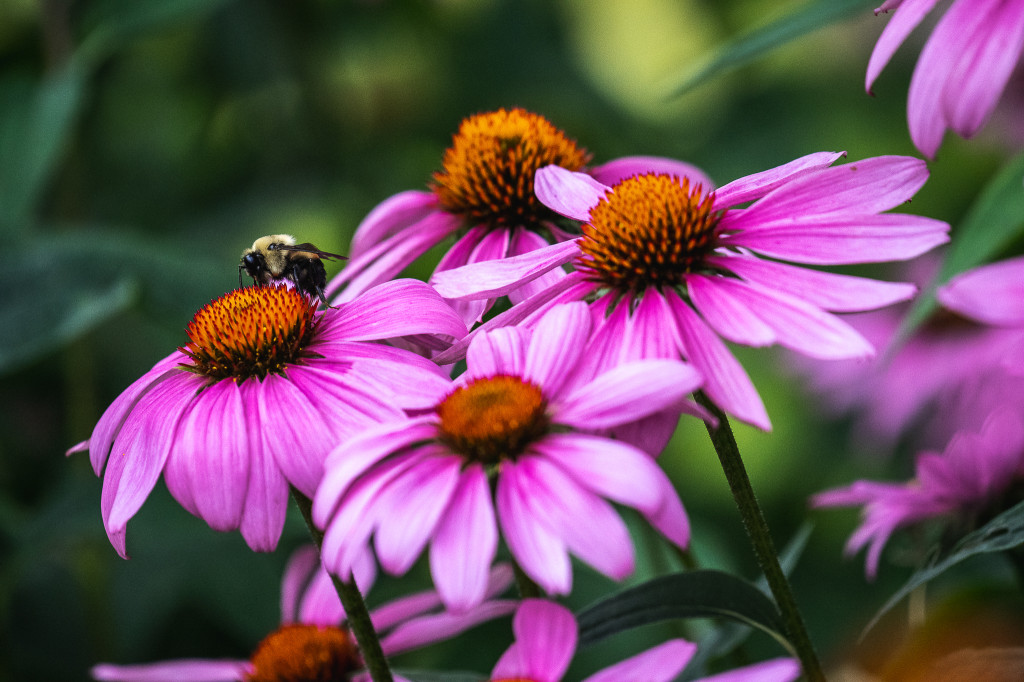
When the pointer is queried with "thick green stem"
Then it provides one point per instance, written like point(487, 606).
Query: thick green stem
point(761, 539)
point(355, 608)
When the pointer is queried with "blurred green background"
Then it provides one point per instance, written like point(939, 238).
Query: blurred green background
point(145, 143)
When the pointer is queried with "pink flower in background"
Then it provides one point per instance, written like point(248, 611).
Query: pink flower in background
point(266, 386)
point(546, 635)
point(968, 480)
point(314, 643)
point(486, 189)
point(519, 416)
point(963, 68)
point(669, 267)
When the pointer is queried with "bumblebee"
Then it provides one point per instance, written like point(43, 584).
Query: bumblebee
point(278, 257)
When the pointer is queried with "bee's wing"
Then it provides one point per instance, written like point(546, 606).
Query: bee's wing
point(309, 248)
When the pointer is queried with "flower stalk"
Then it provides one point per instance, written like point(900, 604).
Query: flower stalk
point(352, 599)
point(760, 538)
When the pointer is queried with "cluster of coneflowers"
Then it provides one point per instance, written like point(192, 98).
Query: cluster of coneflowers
point(505, 407)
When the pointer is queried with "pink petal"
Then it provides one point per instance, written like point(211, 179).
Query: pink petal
point(174, 671)
point(545, 641)
point(301, 565)
point(842, 240)
point(525, 241)
point(538, 551)
point(626, 393)
point(910, 14)
point(776, 670)
point(498, 278)
point(660, 664)
point(266, 503)
point(629, 166)
point(442, 626)
point(415, 502)
point(390, 217)
point(499, 351)
point(555, 346)
point(826, 290)
point(465, 542)
point(759, 184)
point(725, 382)
point(382, 374)
point(397, 308)
point(862, 187)
point(990, 294)
point(566, 192)
point(726, 313)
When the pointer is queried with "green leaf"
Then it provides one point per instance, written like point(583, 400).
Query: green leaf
point(761, 41)
point(1004, 532)
point(694, 594)
point(34, 132)
point(994, 221)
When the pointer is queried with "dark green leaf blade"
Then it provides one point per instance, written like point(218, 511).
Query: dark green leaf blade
point(1004, 532)
point(761, 41)
point(694, 594)
point(995, 219)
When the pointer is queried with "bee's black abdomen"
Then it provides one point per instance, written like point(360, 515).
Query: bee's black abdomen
point(310, 276)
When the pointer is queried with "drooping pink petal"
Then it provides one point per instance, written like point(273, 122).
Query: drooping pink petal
point(415, 501)
point(397, 376)
point(569, 193)
point(391, 216)
point(442, 626)
point(727, 314)
point(465, 542)
point(910, 14)
point(480, 243)
point(525, 241)
point(629, 166)
point(498, 278)
point(186, 670)
point(827, 290)
point(725, 382)
point(862, 187)
point(545, 641)
point(775, 670)
point(266, 503)
point(537, 550)
point(301, 565)
point(500, 351)
point(631, 391)
point(991, 294)
point(659, 664)
point(397, 308)
point(759, 184)
point(842, 239)
point(555, 346)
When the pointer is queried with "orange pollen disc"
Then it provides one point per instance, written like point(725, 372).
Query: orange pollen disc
point(304, 653)
point(250, 332)
point(648, 231)
point(488, 170)
point(491, 419)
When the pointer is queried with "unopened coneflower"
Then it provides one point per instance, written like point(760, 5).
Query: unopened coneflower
point(520, 424)
point(264, 388)
point(669, 266)
point(484, 193)
point(314, 642)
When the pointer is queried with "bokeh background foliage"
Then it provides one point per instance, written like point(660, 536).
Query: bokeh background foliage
point(145, 143)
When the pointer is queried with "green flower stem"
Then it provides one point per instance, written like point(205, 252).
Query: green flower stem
point(761, 539)
point(355, 608)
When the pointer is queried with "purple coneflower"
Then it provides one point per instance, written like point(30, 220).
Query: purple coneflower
point(977, 475)
point(485, 188)
point(251, 405)
point(680, 265)
point(517, 418)
point(963, 68)
point(545, 641)
point(315, 643)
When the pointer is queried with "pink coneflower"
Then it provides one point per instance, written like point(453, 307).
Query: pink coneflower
point(265, 387)
point(315, 643)
point(681, 266)
point(517, 417)
point(976, 475)
point(485, 188)
point(963, 68)
point(546, 635)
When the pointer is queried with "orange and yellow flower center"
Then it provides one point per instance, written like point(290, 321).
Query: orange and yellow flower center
point(491, 419)
point(648, 231)
point(305, 653)
point(250, 332)
point(488, 170)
